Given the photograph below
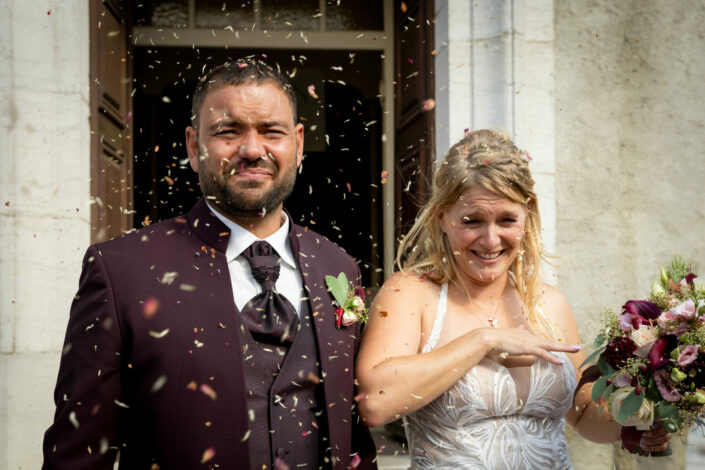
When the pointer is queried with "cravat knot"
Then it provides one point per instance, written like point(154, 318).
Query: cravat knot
point(264, 263)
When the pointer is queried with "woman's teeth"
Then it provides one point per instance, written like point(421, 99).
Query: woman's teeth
point(488, 256)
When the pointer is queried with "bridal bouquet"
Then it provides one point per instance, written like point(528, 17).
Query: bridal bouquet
point(651, 358)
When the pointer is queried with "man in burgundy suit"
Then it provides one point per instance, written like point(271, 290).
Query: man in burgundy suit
point(162, 360)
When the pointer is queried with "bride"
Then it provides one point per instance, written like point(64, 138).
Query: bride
point(466, 342)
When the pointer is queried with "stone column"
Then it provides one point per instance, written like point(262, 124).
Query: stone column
point(44, 211)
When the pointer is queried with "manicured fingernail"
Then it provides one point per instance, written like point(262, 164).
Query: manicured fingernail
point(577, 347)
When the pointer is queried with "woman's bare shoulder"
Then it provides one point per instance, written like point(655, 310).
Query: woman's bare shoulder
point(556, 307)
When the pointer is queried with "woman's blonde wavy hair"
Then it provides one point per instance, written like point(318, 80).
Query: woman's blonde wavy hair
point(490, 160)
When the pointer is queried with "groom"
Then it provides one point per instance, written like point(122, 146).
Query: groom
point(210, 340)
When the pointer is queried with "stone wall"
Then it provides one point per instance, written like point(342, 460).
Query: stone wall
point(44, 211)
point(630, 133)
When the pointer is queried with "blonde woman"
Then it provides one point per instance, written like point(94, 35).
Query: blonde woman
point(466, 341)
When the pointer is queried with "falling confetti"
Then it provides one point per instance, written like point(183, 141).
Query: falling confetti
point(208, 391)
point(403, 7)
point(384, 176)
point(208, 454)
point(159, 334)
point(150, 307)
point(312, 91)
point(355, 461)
point(428, 104)
point(158, 384)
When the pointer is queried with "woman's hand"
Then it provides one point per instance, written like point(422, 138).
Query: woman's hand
point(655, 440)
point(505, 342)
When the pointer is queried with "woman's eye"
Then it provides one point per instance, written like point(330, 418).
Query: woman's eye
point(468, 220)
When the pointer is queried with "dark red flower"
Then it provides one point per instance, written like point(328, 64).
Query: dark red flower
point(360, 292)
point(689, 279)
point(658, 356)
point(643, 308)
point(619, 350)
point(631, 437)
point(339, 316)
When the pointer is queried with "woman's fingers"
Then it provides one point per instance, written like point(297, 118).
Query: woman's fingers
point(655, 440)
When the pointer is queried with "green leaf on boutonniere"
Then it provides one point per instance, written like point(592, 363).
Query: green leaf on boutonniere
point(630, 406)
point(338, 286)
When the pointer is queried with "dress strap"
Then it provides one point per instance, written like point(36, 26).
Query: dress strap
point(438, 322)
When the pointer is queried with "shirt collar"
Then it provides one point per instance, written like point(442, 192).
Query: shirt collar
point(241, 238)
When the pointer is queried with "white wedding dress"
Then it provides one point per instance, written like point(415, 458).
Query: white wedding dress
point(494, 417)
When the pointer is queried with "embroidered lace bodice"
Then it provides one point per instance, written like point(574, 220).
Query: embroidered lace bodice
point(494, 417)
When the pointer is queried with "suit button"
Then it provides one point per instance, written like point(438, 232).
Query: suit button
point(281, 453)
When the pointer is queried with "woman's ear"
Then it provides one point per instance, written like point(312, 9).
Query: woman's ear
point(442, 221)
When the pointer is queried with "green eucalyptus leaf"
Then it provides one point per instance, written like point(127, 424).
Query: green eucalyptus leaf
point(652, 392)
point(608, 391)
point(605, 368)
point(630, 406)
point(599, 341)
point(592, 356)
point(598, 387)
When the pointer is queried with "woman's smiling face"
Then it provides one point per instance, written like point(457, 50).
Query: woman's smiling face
point(484, 231)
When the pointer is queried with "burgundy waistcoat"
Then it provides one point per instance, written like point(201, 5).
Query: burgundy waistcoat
point(284, 400)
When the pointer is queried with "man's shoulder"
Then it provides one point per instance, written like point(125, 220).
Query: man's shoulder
point(310, 240)
point(148, 237)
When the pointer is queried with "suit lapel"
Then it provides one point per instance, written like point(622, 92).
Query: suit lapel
point(336, 347)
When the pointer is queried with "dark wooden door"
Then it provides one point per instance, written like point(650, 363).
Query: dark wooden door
point(111, 133)
point(414, 114)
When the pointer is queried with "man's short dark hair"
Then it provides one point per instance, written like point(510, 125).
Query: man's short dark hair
point(239, 72)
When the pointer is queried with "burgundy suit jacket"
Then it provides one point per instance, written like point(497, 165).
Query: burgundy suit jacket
point(152, 363)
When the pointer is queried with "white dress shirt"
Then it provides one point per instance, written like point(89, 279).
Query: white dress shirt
point(289, 284)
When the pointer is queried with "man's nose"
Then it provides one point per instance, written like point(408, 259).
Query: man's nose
point(252, 146)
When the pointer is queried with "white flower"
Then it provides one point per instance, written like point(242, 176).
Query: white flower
point(358, 303)
point(349, 318)
point(642, 419)
point(644, 335)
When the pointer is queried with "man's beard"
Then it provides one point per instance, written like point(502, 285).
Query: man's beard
point(240, 201)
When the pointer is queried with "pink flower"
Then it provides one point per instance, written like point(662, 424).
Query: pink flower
point(687, 355)
point(349, 318)
point(339, 316)
point(681, 312)
point(665, 386)
point(622, 380)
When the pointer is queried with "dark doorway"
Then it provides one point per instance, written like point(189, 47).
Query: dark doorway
point(338, 191)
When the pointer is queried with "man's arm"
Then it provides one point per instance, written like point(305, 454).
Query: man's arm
point(88, 391)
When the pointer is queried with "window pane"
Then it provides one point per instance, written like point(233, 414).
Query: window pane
point(219, 14)
point(172, 13)
point(285, 14)
point(354, 15)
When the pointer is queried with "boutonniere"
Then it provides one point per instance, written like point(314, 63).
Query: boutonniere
point(351, 302)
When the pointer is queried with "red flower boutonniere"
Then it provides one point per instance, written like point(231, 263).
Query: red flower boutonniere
point(351, 302)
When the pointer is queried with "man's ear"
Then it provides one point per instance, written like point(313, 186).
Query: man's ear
point(192, 147)
point(299, 134)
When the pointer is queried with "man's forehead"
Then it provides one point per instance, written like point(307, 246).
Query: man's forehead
point(246, 100)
